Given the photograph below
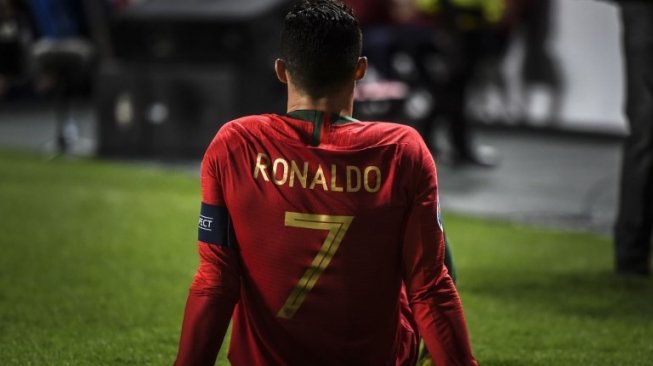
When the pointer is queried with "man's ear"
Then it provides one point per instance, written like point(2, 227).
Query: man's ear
point(280, 69)
point(361, 68)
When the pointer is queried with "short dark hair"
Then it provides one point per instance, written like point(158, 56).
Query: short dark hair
point(320, 44)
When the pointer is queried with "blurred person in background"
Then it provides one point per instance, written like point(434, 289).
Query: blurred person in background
point(530, 90)
point(62, 61)
point(16, 33)
point(634, 225)
point(297, 252)
point(540, 70)
point(62, 47)
point(474, 32)
point(45, 45)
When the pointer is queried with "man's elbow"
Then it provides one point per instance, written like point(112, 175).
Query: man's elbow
point(224, 291)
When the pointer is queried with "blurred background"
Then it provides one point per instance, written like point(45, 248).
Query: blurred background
point(515, 97)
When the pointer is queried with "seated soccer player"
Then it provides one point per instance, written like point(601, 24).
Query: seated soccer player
point(319, 235)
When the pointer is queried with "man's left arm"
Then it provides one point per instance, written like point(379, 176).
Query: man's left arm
point(434, 300)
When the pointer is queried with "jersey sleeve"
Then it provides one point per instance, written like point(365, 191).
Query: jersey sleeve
point(215, 289)
point(431, 292)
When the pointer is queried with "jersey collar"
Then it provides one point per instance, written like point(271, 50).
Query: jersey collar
point(318, 118)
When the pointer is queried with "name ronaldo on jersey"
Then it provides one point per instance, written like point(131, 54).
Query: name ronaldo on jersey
point(335, 178)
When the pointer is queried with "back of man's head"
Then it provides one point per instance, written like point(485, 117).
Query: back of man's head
point(320, 44)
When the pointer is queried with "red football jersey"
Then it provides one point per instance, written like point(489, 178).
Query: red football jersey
point(311, 225)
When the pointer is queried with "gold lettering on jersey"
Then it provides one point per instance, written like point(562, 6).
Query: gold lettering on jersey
point(301, 176)
point(377, 182)
point(353, 173)
point(260, 166)
point(319, 178)
point(351, 179)
point(334, 179)
point(275, 169)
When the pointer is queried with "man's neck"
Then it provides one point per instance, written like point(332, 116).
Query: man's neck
point(341, 103)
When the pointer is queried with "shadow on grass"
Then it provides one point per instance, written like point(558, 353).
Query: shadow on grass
point(601, 295)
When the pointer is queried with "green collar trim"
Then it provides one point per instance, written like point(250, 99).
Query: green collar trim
point(318, 118)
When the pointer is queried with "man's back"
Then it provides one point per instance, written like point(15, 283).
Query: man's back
point(318, 208)
point(314, 224)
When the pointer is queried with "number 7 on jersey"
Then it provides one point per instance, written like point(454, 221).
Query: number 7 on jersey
point(337, 227)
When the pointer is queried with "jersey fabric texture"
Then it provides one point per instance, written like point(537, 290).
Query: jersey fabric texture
point(320, 237)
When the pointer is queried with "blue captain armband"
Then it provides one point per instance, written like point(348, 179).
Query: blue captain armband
point(215, 226)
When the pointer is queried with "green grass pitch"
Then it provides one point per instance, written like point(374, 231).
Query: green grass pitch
point(96, 259)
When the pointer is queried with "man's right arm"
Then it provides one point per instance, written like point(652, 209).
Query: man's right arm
point(210, 304)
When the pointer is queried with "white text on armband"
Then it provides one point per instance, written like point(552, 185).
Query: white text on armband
point(335, 178)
